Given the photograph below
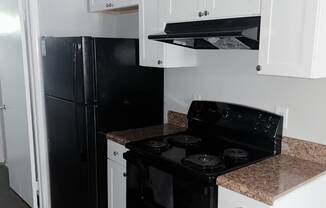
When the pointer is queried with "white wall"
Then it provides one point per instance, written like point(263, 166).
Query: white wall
point(2, 141)
point(127, 25)
point(71, 18)
point(230, 76)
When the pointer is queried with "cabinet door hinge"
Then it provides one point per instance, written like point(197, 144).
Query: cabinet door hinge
point(43, 48)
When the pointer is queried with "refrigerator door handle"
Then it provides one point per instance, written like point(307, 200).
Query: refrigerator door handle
point(82, 132)
point(75, 70)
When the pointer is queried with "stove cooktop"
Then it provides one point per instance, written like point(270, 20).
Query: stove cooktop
point(201, 155)
point(221, 137)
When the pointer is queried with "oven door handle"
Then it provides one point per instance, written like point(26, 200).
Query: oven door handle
point(152, 205)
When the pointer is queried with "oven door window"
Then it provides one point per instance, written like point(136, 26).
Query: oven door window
point(150, 187)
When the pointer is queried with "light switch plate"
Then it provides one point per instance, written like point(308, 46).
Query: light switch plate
point(283, 111)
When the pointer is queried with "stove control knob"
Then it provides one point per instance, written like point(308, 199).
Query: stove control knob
point(225, 114)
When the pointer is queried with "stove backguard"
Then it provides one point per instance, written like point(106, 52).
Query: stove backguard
point(241, 124)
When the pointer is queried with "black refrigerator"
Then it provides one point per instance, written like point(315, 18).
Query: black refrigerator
point(92, 86)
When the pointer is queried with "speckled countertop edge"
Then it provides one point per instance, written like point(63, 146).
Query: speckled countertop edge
point(177, 122)
point(273, 178)
point(124, 137)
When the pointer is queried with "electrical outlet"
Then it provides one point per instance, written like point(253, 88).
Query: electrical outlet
point(196, 97)
point(283, 111)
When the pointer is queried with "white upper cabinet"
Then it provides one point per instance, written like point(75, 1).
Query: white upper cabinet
point(185, 10)
point(292, 40)
point(105, 5)
point(152, 20)
point(196, 10)
point(218, 9)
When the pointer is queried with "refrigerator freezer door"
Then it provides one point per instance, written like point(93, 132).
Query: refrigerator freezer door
point(71, 140)
point(68, 68)
point(129, 96)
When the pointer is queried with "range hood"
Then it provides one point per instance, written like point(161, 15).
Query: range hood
point(234, 33)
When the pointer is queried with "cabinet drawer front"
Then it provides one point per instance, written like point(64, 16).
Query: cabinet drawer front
point(115, 152)
point(230, 199)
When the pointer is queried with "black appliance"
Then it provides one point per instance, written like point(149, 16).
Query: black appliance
point(92, 86)
point(180, 170)
point(232, 33)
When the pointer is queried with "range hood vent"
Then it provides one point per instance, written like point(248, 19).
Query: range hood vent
point(234, 33)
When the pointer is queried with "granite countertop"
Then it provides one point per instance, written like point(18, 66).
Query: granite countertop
point(123, 137)
point(270, 179)
point(266, 181)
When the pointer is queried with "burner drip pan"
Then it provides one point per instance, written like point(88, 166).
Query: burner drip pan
point(184, 140)
point(204, 162)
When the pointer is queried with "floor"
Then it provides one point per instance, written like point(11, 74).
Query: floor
point(8, 198)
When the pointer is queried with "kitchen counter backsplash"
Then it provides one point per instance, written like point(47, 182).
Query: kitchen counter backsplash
point(177, 119)
point(304, 150)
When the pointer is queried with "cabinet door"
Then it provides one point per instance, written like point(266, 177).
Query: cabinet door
point(99, 5)
point(102, 5)
point(169, 55)
point(119, 4)
point(148, 25)
point(117, 189)
point(153, 16)
point(287, 38)
point(232, 8)
point(185, 10)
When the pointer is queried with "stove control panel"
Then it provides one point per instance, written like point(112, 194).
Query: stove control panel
point(234, 117)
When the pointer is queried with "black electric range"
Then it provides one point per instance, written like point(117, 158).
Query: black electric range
point(180, 170)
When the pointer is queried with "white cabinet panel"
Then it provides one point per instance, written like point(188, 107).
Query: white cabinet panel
point(117, 185)
point(230, 199)
point(115, 152)
point(153, 15)
point(232, 8)
point(289, 43)
point(148, 25)
point(185, 10)
point(105, 5)
point(195, 10)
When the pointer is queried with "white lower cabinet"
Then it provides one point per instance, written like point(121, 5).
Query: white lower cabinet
point(117, 177)
point(230, 199)
point(116, 185)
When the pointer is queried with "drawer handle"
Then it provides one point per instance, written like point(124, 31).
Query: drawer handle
point(109, 5)
point(115, 153)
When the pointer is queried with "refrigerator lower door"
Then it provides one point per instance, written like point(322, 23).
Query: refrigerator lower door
point(71, 152)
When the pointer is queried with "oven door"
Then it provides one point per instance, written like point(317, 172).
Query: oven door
point(151, 187)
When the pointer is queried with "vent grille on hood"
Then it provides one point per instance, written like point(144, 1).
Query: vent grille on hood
point(235, 33)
